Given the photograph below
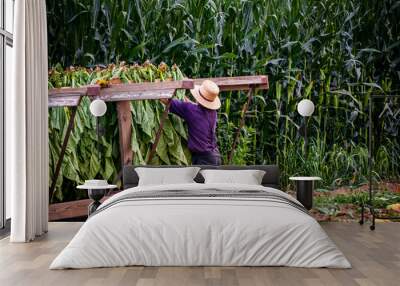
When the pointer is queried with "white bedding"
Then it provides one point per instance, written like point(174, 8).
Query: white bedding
point(190, 231)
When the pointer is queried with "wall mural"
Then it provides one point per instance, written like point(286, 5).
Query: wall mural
point(310, 50)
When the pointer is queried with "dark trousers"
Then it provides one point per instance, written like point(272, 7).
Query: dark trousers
point(206, 158)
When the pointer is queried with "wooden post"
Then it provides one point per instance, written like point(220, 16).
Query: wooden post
point(64, 147)
point(241, 124)
point(125, 131)
point(159, 131)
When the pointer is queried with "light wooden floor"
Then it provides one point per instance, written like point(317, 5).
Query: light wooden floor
point(375, 257)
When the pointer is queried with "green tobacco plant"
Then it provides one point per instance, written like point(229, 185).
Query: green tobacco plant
point(80, 162)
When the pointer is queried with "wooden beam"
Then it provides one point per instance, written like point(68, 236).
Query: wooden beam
point(135, 95)
point(241, 124)
point(238, 82)
point(65, 91)
point(146, 86)
point(118, 92)
point(125, 87)
point(151, 90)
point(159, 132)
point(72, 209)
point(66, 96)
point(69, 210)
point(64, 147)
point(64, 100)
point(125, 132)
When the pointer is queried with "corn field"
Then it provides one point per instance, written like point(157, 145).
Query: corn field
point(336, 53)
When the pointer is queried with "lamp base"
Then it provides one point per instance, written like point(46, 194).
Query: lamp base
point(305, 190)
point(96, 195)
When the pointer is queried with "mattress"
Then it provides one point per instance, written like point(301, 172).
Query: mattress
point(201, 225)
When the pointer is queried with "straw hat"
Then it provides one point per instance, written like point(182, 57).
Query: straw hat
point(206, 94)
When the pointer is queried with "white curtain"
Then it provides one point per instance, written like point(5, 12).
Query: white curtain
point(26, 124)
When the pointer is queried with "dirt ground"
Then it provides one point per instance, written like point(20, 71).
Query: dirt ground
point(343, 204)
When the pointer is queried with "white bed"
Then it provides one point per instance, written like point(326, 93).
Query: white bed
point(265, 229)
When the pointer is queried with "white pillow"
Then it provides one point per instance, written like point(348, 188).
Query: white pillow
point(166, 176)
point(248, 177)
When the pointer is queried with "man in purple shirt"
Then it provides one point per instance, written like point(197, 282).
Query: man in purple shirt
point(201, 119)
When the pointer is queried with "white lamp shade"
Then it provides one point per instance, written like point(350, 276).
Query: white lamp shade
point(305, 107)
point(98, 107)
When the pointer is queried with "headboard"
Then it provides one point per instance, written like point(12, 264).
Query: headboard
point(270, 179)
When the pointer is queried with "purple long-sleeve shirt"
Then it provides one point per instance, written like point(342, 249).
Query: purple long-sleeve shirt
point(201, 122)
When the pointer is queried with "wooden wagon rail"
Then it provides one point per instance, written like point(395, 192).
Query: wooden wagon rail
point(238, 83)
point(117, 92)
point(123, 94)
point(72, 209)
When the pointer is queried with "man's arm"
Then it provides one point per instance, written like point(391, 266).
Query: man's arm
point(180, 108)
point(166, 100)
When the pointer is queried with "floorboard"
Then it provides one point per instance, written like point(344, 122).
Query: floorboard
point(375, 256)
